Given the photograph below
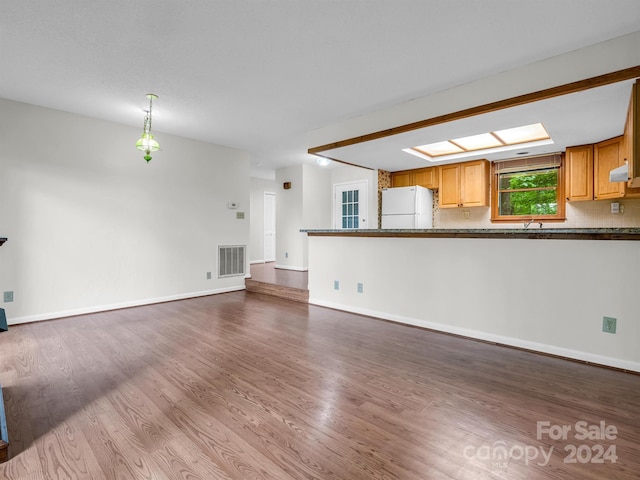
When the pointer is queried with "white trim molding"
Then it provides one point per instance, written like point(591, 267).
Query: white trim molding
point(116, 306)
point(487, 337)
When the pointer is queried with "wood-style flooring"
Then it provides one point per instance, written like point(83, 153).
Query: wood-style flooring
point(246, 386)
point(278, 282)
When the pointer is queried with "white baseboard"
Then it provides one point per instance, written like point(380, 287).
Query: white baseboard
point(488, 337)
point(289, 267)
point(117, 306)
point(253, 262)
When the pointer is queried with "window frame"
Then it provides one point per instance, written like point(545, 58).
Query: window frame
point(559, 216)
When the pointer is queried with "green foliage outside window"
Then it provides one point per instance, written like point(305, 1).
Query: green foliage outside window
point(529, 193)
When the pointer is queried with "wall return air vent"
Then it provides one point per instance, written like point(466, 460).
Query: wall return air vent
point(231, 260)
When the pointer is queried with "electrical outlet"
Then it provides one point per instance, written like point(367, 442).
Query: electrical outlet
point(239, 215)
point(8, 297)
point(336, 285)
point(465, 214)
point(208, 275)
point(609, 324)
point(360, 288)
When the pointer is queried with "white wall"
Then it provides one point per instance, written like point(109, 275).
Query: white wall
point(290, 249)
point(605, 57)
point(316, 202)
point(305, 205)
point(259, 186)
point(544, 295)
point(92, 226)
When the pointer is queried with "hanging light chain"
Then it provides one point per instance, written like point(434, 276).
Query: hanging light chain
point(147, 143)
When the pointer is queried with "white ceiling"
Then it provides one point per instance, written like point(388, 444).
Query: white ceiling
point(580, 118)
point(260, 74)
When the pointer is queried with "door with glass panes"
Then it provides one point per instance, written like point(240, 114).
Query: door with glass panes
point(350, 200)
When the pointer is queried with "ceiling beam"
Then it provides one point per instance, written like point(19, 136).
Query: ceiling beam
point(573, 87)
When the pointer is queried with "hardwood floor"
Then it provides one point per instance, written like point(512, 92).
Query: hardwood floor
point(246, 386)
point(278, 282)
point(267, 273)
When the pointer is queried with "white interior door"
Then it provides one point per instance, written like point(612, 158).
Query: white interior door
point(350, 205)
point(269, 227)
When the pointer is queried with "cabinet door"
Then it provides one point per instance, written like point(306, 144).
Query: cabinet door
point(474, 184)
point(449, 195)
point(628, 140)
point(426, 177)
point(607, 155)
point(579, 173)
point(402, 179)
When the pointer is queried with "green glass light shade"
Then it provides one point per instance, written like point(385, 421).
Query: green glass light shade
point(146, 143)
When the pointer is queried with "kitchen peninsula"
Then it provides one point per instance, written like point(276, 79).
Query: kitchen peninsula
point(546, 290)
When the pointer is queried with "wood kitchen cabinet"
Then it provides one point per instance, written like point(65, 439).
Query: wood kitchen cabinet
point(425, 177)
point(579, 173)
point(607, 155)
point(464, 184)
point(587, 170)
point(631, 144)
point(631, 150)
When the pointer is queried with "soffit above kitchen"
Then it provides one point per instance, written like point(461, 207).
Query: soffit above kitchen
point(579, 118)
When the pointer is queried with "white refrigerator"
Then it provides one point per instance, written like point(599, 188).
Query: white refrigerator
point(407, 207)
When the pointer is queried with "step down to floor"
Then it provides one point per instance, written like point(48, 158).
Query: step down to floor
point(290, 293)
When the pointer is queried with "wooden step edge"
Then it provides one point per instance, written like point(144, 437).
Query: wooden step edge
point(288, 293)
point(257, 283)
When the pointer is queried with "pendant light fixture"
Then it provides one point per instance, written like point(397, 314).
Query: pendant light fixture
point(146, 143)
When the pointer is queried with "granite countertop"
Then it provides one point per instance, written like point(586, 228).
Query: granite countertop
point(530, 233)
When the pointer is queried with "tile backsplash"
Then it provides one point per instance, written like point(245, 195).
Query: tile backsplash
point(593, 214)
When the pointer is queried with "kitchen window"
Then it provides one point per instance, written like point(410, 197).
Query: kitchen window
point(528, 189)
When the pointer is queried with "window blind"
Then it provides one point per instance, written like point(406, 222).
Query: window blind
point(541, 162)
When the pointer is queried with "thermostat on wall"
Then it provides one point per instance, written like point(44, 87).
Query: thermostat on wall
point(232, 204)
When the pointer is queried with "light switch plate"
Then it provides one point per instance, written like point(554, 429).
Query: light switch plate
point(609, 324)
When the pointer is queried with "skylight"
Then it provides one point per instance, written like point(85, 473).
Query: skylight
point(491, 142)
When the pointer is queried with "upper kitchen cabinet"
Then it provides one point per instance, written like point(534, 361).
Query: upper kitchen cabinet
point(579, 173)
point(402, 179)
point(425, 177)
point(464, 184)
point(631, 140)
point(607, 155)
